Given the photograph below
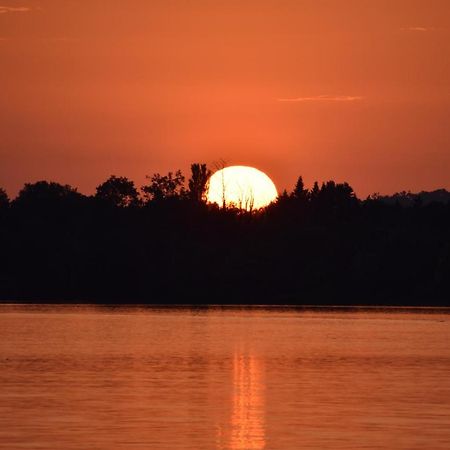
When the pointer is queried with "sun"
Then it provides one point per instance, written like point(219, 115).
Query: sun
point(241, 187)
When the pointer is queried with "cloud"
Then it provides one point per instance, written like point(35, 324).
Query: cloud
point(417, 29)
point(7, 9)
point(323, 98)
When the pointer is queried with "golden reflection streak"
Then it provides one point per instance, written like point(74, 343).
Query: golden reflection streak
point(247, 420)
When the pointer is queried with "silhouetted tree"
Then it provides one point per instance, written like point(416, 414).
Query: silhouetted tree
point(163, 187)
point(198, 182)
point(284, 195)
point(300, 194)
point(314, 193)
point(335, 198)
point(345, 195)
point(282, 204)
point(4, 199)
point(45, 193)
point(220, 165)
point(118, 191)
point(374, 197)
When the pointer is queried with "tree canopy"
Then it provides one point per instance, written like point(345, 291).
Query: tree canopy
point(314, 245)
point(118, 191)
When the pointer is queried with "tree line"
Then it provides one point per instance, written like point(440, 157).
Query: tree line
point(119, 191)
point(163, 243)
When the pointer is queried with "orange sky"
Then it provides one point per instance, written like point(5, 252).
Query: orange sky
point(354, 90)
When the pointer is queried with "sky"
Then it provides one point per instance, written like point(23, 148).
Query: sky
point(350, 90)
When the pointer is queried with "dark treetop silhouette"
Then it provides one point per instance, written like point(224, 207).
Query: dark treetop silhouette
point(318, 246)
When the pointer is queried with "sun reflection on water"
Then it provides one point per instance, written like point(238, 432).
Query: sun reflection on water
point(247, 419)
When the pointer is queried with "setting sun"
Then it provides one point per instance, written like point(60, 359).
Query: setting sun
point(242, 187)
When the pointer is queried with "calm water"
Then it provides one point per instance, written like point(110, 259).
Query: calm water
point(101, 378)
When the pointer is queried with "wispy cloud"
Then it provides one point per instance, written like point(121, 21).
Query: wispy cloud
point(417, 29)
point(323, 98)
point(13, 9)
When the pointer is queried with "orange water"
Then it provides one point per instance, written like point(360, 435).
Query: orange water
point(101, 378)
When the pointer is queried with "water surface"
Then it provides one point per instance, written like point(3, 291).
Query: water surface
point(97, 378)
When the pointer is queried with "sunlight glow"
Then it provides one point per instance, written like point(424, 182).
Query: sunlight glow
point(241, 187)
point(247, 422)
